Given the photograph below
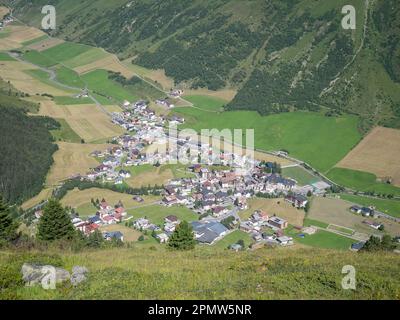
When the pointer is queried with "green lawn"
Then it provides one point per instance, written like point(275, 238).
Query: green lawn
point(65, 51)
point(232, 238)
point(98, 81)
point(71, 100)
point(5, 57)
point(319, 140)
point(302, 176)
point(206, 103)
point(65, 133)
point(37, 58)
point(311, 222)
point(86, 210)
point(157, 213)
point(361, 181)
point(391, 207)
point(69, 77)
point(322, 239)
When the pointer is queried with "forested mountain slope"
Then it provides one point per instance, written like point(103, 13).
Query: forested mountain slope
point(26, 146)
point(279, 54)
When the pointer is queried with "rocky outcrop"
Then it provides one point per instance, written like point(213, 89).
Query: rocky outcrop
point(35, 274)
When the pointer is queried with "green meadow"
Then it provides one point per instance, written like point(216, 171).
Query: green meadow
point(232, 238)
point(322, 239)
point(5, 57)
point(157, 213)
point(206, 103)
point(312, 137)
point(65, 100)
point(302, 176)
point(69, 77)
point(361, 181)
point(391, 207)
point(86, 57)
point(98, 81)
point(65, 51)
point(65, 133)
point(44, 77)
point(37, 58)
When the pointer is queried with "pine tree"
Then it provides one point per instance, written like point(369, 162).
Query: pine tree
point(55, 224)
point(95, 239)
point(182, 238)
point(8, 227)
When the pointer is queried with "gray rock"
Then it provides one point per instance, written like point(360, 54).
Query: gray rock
point(78, 275)
point(32, 274)
point(79, 270)
point(77, 278)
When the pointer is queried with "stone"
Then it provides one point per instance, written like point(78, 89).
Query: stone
point(32, 274)
point(78, 275)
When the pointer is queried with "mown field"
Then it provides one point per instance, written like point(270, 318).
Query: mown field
point(391, 207)
point(206, 103)
point(312, 137)
point(157, 213)
point(207, 273)
point(361, 181)
point(98, 82)
point(337, 211)
point(321, 239)
point(378, 153)
point(299, 174)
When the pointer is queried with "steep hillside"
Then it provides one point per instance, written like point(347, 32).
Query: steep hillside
point(279, 55)
point(26, 146)
point(207, 273)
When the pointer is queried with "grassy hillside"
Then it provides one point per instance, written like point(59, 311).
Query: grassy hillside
point(322, 141)
point(150, 273)
point(279, 55)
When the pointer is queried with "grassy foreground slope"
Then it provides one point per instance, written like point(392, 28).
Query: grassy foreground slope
point(215, 274)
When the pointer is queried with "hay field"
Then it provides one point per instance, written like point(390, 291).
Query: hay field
point(130, 235)
point(77, 198)
point(43, 195)
point(3, 11)
point(155, 176)
point(280, 207)
point(20, 34)
point(158, 76)
point(336, 211)
point(45, 44)
point(225, 94)
point(88, 120)
point(110, 62)
point(71, 159)
point(14, 71)
point(377, 153)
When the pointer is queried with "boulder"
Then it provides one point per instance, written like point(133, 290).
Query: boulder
point(32, 274)
point(78, 275)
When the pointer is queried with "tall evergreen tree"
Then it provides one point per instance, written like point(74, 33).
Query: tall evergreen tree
point(182, 238)
point(55, 224)
point(8, 226)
